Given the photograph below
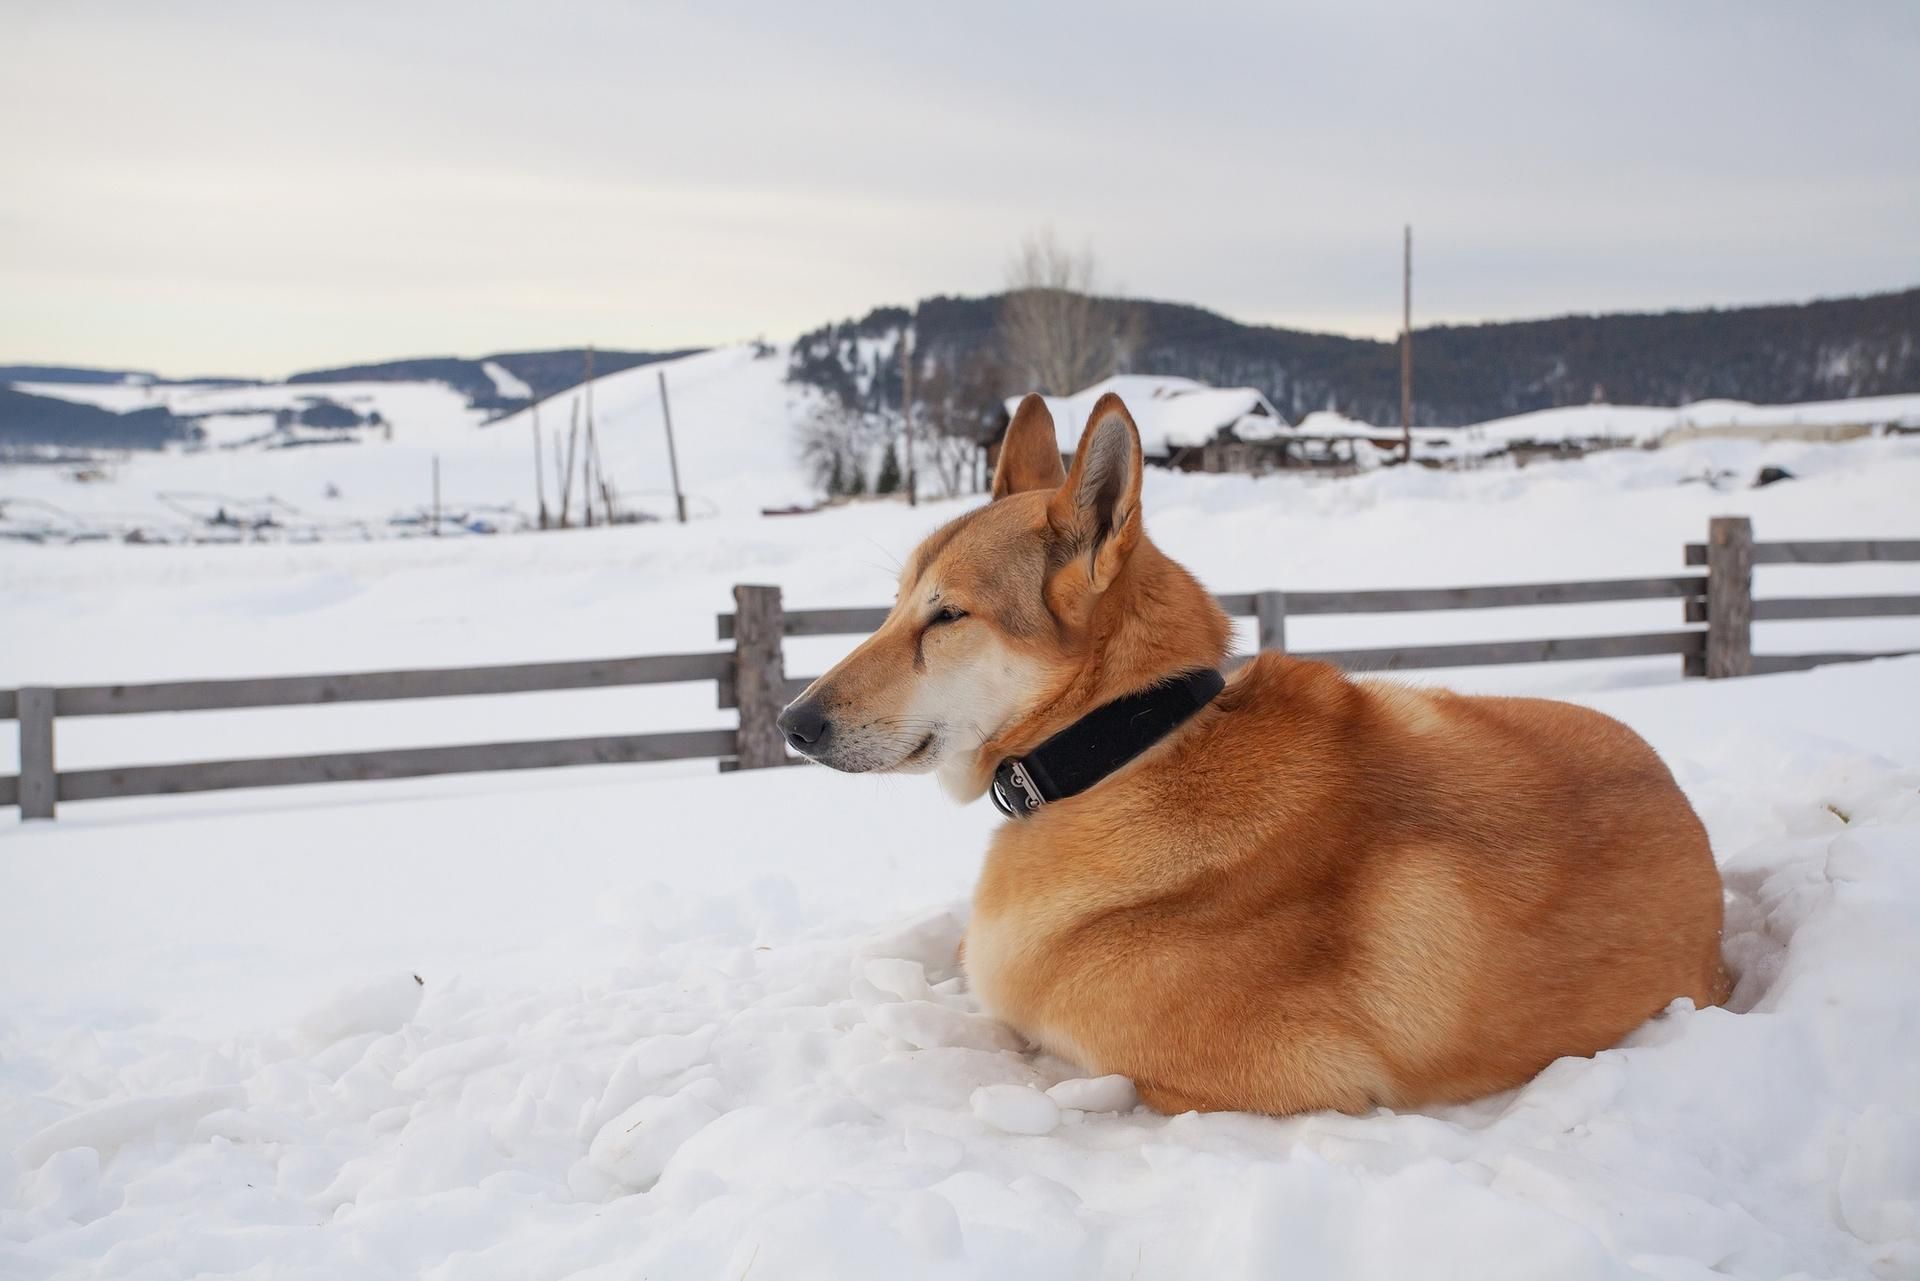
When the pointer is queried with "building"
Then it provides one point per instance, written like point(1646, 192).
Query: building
point(1183, 423)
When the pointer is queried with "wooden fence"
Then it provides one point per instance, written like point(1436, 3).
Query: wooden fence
point(1718, 608)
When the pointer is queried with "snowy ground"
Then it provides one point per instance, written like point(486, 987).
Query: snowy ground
point(669, 1023)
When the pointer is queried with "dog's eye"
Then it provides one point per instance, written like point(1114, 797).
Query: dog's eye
point(948, 614)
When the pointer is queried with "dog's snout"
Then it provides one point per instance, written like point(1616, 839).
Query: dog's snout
point(804, 724)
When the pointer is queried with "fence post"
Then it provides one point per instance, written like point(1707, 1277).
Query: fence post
point(39, 785)
point(759, 675)
point(1270, 609)
point(1729, 597)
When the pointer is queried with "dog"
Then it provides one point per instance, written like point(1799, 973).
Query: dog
point(1311, 891)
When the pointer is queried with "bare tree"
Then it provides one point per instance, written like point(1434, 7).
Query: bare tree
point(836, 443)
point(960, 405)
point(1057, 333)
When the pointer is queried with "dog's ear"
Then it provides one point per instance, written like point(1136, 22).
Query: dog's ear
point(1029, 456)
point(1098, 507)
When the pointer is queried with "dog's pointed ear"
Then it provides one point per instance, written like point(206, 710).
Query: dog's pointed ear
point(1029, 455)
point(1099, 505)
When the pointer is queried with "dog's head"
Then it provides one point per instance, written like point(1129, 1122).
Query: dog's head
point(1003, 616)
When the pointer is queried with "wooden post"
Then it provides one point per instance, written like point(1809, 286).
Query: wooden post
point(759, 675)
point(566, 487)
point(906, 412)
point(1406, 346)
point(673, 459)
point(436, 495)
point(39, 785)
point(1270, 609)
point(1729, 597)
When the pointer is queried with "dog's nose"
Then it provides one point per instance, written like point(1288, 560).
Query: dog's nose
point(804, 724)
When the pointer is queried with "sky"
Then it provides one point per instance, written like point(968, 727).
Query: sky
point(253, 187)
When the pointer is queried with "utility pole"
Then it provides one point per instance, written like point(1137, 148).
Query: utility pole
point(539, 463)
point(673, 459)
point(906, 410)
point(1406, 346)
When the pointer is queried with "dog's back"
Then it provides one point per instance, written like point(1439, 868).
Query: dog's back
point(1339, 893)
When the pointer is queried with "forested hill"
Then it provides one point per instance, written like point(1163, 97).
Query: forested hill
point(1462, 373)
point(28, 421)
point(546, 373)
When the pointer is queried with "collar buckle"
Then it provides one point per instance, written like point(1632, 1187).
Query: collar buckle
point(1014, 792)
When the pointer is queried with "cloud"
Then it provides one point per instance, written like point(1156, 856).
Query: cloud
point(264, 186)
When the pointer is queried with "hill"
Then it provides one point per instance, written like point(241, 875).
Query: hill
point(541, 373)
point(29, 421)
point(1463, 374)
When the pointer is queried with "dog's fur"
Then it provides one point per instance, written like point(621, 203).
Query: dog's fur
point(1318, 892)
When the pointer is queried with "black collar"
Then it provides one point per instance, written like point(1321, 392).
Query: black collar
point(1099, 743)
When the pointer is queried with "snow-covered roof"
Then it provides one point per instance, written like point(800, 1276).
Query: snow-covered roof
point(1171, 413)
point(1332, 423)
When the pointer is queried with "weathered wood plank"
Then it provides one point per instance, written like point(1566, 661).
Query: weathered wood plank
point(794, 687)
point(1497, 653)
point(8, 703)
point(1729, 597)
point(9, 790)
point(37, 794)
point(819, 622)
point(357, 687)
point(731, 764)
point(1270, 611)
point(1501, 595)
point(1836, 551)
point(1789, 607)
point(759, 677)
point(1767, 663)
point(1390, 600)
point(410, 762)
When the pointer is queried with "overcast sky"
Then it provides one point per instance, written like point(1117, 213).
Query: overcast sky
point(254, 186)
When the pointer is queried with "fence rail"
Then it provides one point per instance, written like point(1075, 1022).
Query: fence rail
point(751, 676)
point(1841, 551)
point(362, 687)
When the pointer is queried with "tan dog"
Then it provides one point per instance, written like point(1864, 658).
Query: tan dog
point(1315, 893)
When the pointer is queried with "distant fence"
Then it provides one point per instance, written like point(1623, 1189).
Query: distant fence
point(1718, 606)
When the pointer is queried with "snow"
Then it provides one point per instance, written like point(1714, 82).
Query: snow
point(1640, 424)
point(1170, 412)
point(506, 382)
point(670, 1065)
point(1015, 1109)
point(654, 1020)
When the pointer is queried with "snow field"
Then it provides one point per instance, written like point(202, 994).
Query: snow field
point(736, 1068)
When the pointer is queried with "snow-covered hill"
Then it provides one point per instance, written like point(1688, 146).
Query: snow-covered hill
point(733, 416)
